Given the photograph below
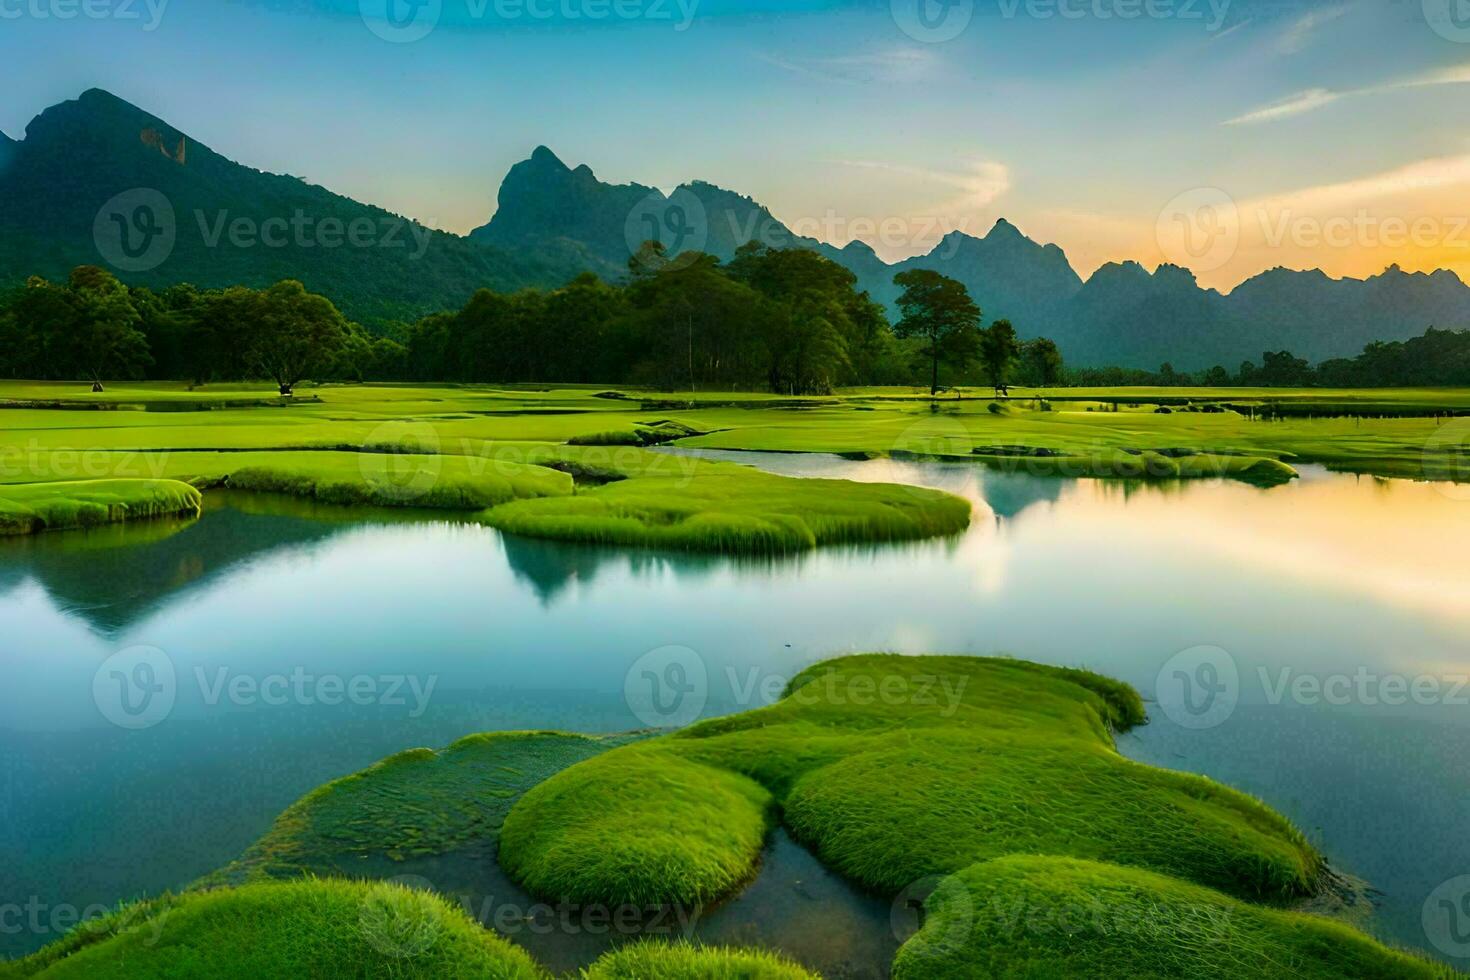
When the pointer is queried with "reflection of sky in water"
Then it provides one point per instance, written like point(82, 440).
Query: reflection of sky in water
point(1325, 575)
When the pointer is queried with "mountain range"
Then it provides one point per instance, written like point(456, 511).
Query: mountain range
point(69, 194)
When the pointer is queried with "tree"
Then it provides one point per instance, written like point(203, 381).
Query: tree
point(937, 310)
point(104, 332)
point(999, 350)
point(295, 334)
point(1043, 362)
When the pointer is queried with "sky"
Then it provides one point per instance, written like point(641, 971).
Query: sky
point(1228, 136)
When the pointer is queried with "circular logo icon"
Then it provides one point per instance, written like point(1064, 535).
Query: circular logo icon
point(1199, 229)
point(402, 460)
point(932, 21)
point(1199, 687)
point(399, 918)
point(136, 230)
point(401, 21)
point(1447, 459)
point(1450, 19)
point(938, 904)
point(1446, 917)
point(666, 232)
point(667, 687)
point(135, 688)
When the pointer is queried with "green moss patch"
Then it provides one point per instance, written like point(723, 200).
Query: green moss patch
point(682, 961)
point(314, 928)
point(31, 507)
point(893, 769)
point(1048, 917)
point(639, 828)
point(412, 804)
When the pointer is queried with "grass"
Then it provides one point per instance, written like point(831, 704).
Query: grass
point(314, 928)
point(699, 505)
point(29, 508)
point(638, 830)
point(892, 769)
point(411, 804)
point(1049, 917)
point(682, 961)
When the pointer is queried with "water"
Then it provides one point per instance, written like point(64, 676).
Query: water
point(263, 605)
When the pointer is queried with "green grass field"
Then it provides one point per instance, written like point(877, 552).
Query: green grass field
point(570, 463)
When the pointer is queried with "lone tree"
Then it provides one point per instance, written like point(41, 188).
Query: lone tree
point(1043, 362)
point(295, 333)
point(938, 310)
point(104, 332)
point(999, 351)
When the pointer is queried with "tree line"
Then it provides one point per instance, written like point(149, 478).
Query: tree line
point(787, 320)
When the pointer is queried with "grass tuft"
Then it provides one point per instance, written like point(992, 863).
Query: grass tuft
point(684, 961)
point(32, 507)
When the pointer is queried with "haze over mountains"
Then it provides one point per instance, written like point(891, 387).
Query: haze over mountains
point(231, 224)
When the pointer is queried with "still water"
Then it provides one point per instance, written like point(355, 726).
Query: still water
point(306, 642)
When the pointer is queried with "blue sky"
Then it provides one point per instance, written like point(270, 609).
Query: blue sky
point(1084, 129)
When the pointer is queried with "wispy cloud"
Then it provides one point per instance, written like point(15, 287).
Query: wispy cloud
point(1434, 174)
point(889, 65)
point(1299, 34)
point(981, 184)
point(1316, 98)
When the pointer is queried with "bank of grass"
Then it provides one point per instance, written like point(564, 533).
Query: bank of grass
point(892, 769)
point(415, 803)
point(1049, 917)
point(684, 961)
point(310, 928)
point(699, 505)
point(32, 507)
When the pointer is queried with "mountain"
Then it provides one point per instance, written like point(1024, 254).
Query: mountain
point(97, 180)
point(96, 169)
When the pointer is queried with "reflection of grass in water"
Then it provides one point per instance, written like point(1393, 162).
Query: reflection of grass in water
point(1060, 917)
point(415, 803)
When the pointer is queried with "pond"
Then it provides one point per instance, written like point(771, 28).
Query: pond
point(171, 687)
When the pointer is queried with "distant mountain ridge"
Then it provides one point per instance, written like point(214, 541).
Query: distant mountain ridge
point(553, 222)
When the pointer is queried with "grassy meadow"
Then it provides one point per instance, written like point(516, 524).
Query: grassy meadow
point(576, 463)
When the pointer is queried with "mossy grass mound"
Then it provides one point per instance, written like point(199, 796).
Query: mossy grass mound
point(415, 803)
point(683, 961)
point(31, 507)
point(893, 769)
point(1045, 917)
point(639, 830)
point(310, 928)
point(680, 503)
